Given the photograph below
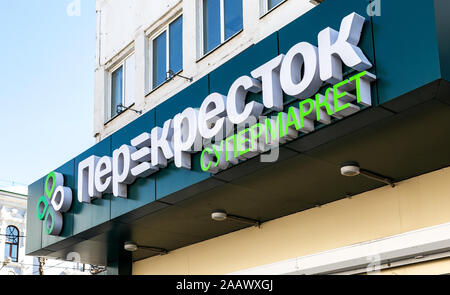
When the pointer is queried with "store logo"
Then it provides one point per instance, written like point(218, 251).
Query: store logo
point(300, 73)
point(56, 200)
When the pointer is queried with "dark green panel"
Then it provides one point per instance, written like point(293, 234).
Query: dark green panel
point(99, 211)
point(112, 268)
point(242, 64)
point(33, 240)
point(144, 123)
point(173, 179)
point(247, 167)
point(442, 9)
point(68, 170)
point(122, 266)
point(405, 46)
point(328, 14)
point(141, 192)
point(191, 96)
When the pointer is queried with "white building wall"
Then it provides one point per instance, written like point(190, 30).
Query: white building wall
point(125, 26)
point(13, 211)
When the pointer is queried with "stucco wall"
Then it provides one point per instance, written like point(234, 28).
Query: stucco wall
point(13, 212)
point(125, 26)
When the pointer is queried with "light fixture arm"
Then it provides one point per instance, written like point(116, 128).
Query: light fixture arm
point(121, 108)
point(171, 74)
point(241, 219)
point(376, 177)
point(352, 168)
point(154, 249)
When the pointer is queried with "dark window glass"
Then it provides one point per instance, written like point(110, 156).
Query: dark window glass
point(273, 3)
point(233, 17)
point(7, 250)
point(159, 60)
point(176, 45)
point(12, 243)
point(211, 25)
point(116, 90)
point(14, 253)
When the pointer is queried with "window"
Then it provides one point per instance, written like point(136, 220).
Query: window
point(12, 243)
point(272, 3)
point(167, 52)
point(268, 5)
point(221, 19)
point(122, 86)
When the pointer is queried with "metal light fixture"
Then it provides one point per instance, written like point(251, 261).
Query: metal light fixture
point(316, 2)
point(222, 215)
point(132, 246)
point(352, 168)
point(121, 108)
point(170, 74)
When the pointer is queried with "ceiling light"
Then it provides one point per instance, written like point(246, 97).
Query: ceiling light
point(132, 247)
point(219, 215)
point(352, 168)
point(222, 215)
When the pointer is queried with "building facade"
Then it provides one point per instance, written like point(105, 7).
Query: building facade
point(260, 137)
point(235, 26)
point(13, 233)
point(13, 215)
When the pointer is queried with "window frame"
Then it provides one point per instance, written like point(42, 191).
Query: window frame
point(120, 63)
point(264, 7)
point(11, 244)
point(150, 41)
point(201, 31)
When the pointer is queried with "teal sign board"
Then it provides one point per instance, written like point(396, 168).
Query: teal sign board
point(398, 64)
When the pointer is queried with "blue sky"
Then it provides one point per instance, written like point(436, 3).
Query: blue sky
point(47, 86)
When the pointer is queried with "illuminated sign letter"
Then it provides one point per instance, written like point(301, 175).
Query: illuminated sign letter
point(237, 110)
point(343, 44)
point(269, 73)
point(122, 165)
point(212, 111)
point(142, 156)
point(292, 82)
point(103, 172)
point(186, 137)
point(162, 149)
point(86, 186)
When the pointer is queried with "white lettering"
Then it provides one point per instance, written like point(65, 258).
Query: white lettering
point(103, 172)
point(238, 111)
point(269, 73)
point(186, 137)
point(122, 165)
point(162, 148)
point(301, 55)
point(337, 47)
point(86, 186)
